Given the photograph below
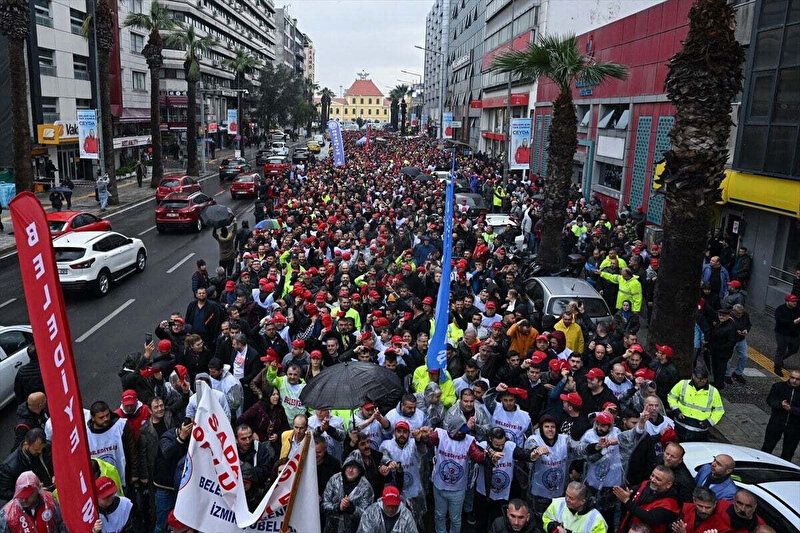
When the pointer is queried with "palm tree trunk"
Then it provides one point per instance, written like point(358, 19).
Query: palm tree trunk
point(191, 135)
point(23, 171)
point(107, 125)
point(155, 128)
point(562, 144)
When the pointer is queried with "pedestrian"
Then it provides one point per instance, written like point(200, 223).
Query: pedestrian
point(573, 513)
point(721, 343)
point(56, 200)
point(784, 418)
point(787, 330)
point(31, 456)
point(102, 191)
point(31, 414)
point(735, 371)
point(29, 377)
point(141, 172)
point(32, 508)
point(347, 496)
point(388, 515)
point(696, 406)
point(227, 249)
point(69, 186)
point(115, 512)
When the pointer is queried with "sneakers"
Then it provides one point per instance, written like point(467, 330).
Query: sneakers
point(471, 518)
point(739, 378)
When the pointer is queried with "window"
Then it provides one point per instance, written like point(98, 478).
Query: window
point(787, 98)
point(369, 101)
point(80, 66)
point(584, 115)
point(609, 176)
point(362, 101)
point(361, 111)
point(385, 112)
point(136, 6)
point(139, 81)
point(369, 111)
point(47, 62)
point(614, 116)
point(12, 342)
point(622, 123)
point(83, 103)
point(50, 110)
point(43, 16)
point(76, 19)
point(137, 43)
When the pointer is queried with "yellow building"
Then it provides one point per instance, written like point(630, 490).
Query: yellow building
point(363, 99)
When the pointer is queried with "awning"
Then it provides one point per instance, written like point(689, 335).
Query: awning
point(775, 195)
point(135, 114)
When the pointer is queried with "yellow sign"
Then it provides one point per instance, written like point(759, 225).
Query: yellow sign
point(48, 134)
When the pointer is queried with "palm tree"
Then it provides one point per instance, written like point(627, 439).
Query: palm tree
point(154, 23)
point(309, 88)
point(14, 24)
point(560, 60)
point(394, 108)
point(703, 79)
point(101, 27)
point(241, 64)
point(187, 39)
point(326, 98)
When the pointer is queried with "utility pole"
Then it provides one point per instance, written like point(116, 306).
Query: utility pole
point(201, 90)
point(507, 164)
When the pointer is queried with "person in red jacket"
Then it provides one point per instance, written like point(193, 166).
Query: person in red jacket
point(134, 411)
point(703, 514)
point(654, 502)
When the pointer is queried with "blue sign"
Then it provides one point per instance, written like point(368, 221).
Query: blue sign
point(337, 145)
point(437, 350)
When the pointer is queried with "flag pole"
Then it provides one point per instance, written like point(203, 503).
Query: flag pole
point(289, 508)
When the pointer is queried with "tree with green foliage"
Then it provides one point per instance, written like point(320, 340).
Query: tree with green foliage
point(241, 65)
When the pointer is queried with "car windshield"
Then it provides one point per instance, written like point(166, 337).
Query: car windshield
point(244, 179)
point(174, 204)
point(56, 225)
point(275, 161)
point(595, 307)
point(68, 254)
point(234, 163)
point(170, 183)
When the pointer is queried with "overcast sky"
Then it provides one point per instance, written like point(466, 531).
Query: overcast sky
point(373, 35)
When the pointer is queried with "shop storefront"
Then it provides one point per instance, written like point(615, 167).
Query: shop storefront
point(58, 143)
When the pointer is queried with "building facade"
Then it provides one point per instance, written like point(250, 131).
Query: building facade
point(362, 100)
point(464, 79)
point(437, 52)
point(308, 50)
point(290, 49)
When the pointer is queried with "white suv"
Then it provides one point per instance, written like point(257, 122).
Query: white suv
point(95, 259)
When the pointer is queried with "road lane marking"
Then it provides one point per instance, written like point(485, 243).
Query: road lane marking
point(148, 230)
point(103, 322)
point(179, 263)
point(220, 192)
point(12, 300)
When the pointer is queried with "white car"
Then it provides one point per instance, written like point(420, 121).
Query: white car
point(279, 148)
point(775, 482)
point(14, 342)
point(319, 139)
point(95, 259)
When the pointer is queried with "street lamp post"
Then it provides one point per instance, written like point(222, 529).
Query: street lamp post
point(442, 78)
point(507, 164)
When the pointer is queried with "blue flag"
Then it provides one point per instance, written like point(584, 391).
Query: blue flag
point(335, 130)
point(437, 350)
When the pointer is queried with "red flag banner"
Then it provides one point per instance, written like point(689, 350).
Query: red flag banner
point(53, 341)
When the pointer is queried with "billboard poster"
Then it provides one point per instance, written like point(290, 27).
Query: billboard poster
point(233, 122)
point(519, 154)
point(447, 125)
point(88, 135)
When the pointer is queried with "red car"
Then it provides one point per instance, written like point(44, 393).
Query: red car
point(277, 164)
point(184, 184)
point(245, 185)
point(63, 222)
point(181, 210)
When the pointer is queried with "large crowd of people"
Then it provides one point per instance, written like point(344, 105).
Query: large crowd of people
point(537, 422)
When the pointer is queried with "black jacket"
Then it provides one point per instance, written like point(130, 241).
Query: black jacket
point(27, 420)
point(784, 321)
point(779, 392)
point(20, 461)
point(28, 381)
point(501, 525)
point(171, 450)
point(723, 339)
point(215, 315)
point(261, 459)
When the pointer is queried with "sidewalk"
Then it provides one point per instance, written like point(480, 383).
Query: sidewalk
point(83, 198)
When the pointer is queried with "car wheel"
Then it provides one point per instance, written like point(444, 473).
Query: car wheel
point(141, 261)
point(198, 226)
point(102, 283)
point(160, 228)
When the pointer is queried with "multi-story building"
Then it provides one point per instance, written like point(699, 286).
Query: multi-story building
point(437, 51)
point(308, 50)
point(624, 126)
point(362, 100)
point(467, 24)
point(531, 18)
point(290, 49)
point(248, 25)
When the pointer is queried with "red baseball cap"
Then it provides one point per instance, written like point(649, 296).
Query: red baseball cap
point(316, 354)
point(427, 300)
point(368, 405)
point(736, 284)
point(402, 424)
point(491, 305)
point(366, 336)
point(298, 343)
point(537, 357)
point(665, 349)
point(604, 418)
point(320, 297)
point(164, 346)
point(791, 298)
point(596, 373)
point(645, 373)
point(105, 487)
point(636, 348)
point(497, 325)
point(391, 496)
point(573, 398)
point(609, 405)
point(373, 294)
point(381, 323)
point(129, 397)
point(542, 338)
point(397, 339)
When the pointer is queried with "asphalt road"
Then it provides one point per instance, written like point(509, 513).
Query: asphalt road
point(138, 303)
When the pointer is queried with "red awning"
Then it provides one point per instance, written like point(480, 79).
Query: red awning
point(517, 99)
point(135, 114)
point(493, 136)
point(476, 104)
point(179, 101)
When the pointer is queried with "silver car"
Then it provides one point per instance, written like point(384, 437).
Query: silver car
point(558, 292)
point(14, 342)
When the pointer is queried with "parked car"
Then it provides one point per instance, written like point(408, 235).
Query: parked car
point(319, 139)
point(172, 184)
point(232, 167)
point(476, 203)
point(262, 156)
point(182, 211)
point(245, 186)
point(278, 136)
point(313, 147)
point(95, 259)
point(300, 155)
point(279, 148)
point(62, 222)
point(276, 164)
point(774, 482)
point(500, 223)
point(14, 342)
point(558, 292)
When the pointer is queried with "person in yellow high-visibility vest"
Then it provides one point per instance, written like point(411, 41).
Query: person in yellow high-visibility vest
point(696, 406)
point(498, 196)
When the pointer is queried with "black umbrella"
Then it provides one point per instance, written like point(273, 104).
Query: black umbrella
point(217, 216)
point(410, 171)
point(348, 385)
point(423, 178)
